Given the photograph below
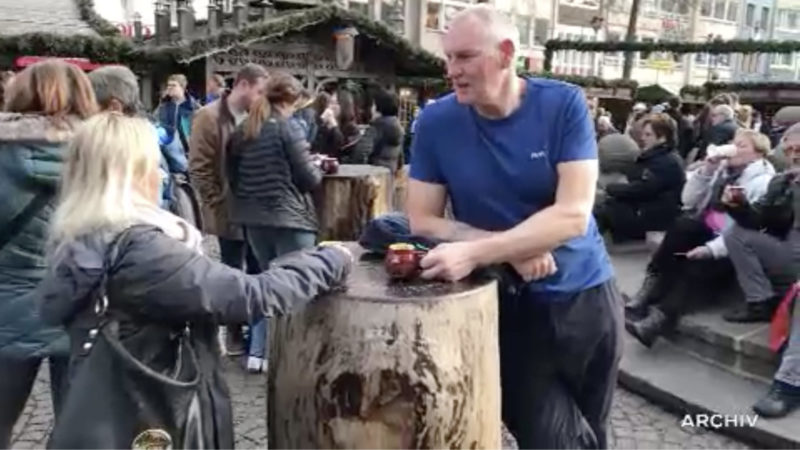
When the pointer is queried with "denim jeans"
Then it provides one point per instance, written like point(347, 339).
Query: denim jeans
point(269, 243)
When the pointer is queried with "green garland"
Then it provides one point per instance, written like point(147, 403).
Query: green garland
point(116, 49)
point(713, 47)
point(95, 21)
point(709, 89)
point(589, 81)
point(423, 62)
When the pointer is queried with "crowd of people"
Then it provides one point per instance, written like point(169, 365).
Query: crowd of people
point(89, 182)
point(723, 193)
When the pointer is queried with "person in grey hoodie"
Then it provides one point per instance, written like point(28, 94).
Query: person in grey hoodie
point(108, 226)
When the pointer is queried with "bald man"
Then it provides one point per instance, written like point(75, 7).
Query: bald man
point(521, 173)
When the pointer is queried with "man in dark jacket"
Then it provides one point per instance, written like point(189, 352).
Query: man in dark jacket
point(213, 126)
point(176, 110)
point(767, 263)
point(684, 141)
point(650, 200)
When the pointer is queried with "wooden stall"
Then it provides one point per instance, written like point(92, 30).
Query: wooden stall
point(382, 364)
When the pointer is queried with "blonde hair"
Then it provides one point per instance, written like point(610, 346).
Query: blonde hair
point(180, 79)
point(106, 161)
point(760, 142)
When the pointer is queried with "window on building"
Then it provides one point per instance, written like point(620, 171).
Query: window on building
point(733, 11)
point(764, 18)
point(750, 15)
point(433, 16)
point(701, 58)
point(791, 19)
point(541, 31)
point(669, 5)
point(525, 27)
point(782, 59)
point(440, 12)
point(719, 9)
point(360, 6)
point(705, 8)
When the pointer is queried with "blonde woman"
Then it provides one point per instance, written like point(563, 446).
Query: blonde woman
point(157, 281)
point(43, 104)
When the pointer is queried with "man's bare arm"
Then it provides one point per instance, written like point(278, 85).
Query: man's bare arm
point(549, 228)
point(425, 203)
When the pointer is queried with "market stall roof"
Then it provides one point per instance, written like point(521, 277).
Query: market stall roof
point(57, 17)
point(410, 59)
point(654, 93)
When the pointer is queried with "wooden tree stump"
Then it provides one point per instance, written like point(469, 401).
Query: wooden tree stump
point(349, 199)
point(388, 365)
point(400, 188)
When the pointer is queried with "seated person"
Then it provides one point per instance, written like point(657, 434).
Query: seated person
point(784, 394)
point(693, 252)
point(650, 200)
point(764, 246)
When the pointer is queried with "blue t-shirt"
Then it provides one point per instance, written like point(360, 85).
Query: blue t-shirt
point(500, 172)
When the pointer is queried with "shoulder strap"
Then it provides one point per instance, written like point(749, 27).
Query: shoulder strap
point(15, 226)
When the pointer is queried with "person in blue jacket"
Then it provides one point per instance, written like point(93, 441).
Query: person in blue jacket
point(176, 110)
point(117, 89)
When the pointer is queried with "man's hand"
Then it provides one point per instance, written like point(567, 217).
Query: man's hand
point(536, 268)
point(451, 261)
point(701, 252)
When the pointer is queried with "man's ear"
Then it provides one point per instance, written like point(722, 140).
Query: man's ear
point(114, 105)
point(507, 52)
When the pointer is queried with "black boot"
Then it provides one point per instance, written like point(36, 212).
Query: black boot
point(752, 312)
point(648, 329)
point(777, 403)
point(636, 306)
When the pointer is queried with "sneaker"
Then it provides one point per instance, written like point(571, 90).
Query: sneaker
point(255, 364)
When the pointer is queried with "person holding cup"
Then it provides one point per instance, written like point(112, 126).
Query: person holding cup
point(764, 247)
point(693, 252)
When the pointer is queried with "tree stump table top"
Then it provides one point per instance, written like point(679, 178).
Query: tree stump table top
point(357, 170)
point(368, 281)
point(347, 200)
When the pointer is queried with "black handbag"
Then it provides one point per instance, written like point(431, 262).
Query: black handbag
point(115, 400)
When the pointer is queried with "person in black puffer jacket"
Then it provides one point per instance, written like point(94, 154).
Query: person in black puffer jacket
point(272, 175)
point(650, 201)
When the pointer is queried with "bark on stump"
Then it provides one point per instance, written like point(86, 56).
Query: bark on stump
point(349, 199)
point(400, 189)
point(388, 365)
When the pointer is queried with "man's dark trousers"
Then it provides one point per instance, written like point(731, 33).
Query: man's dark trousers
point(559, 356)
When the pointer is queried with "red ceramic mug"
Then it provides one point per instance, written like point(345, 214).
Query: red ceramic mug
point(402, 261)
point(330, 165)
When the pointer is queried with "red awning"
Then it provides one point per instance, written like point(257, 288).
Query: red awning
point(82, 63)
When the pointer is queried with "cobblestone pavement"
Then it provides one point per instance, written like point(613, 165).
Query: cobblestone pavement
point(636, 423)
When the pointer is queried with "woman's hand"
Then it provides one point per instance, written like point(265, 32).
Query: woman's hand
point(698, 253)
point(340, 247)
point(733, 196)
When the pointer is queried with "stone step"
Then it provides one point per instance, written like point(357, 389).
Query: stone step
point(683, 383)
point(740, 348)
